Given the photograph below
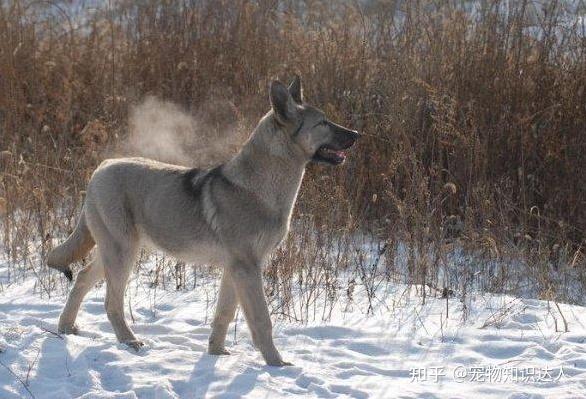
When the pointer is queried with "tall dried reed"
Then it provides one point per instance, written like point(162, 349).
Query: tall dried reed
point(474, 115)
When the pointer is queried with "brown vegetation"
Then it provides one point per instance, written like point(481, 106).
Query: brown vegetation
point(475, 127)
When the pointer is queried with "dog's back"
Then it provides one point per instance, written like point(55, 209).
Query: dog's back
point(120, 198)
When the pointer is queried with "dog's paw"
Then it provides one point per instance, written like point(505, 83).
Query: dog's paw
point(218, 351)
point(72, 329)
point(136, 344)
point(279, 363)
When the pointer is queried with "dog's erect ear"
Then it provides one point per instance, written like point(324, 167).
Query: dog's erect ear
point(296, 90)
point(281, 101)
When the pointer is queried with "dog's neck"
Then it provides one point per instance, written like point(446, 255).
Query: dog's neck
point(269, 167)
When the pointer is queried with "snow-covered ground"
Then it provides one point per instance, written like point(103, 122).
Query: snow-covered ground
point(494, 347)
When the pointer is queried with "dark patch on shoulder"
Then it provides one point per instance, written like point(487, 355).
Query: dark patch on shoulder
point(190, 184)
point(195, 179)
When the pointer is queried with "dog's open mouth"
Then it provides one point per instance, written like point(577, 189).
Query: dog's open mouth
point(329, 155)
point(333, 152)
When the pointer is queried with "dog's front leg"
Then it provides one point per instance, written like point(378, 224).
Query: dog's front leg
point(247, 280)
point(225, 311)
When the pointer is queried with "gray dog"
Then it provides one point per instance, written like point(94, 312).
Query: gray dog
point(233, 216)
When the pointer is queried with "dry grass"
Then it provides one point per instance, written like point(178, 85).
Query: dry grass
point(475, 129)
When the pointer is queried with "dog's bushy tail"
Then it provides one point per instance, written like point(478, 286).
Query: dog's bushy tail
point(77, 246)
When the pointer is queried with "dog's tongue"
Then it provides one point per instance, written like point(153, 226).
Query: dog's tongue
point(337, 156)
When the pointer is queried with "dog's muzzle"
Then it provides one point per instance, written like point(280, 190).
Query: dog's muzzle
point(333, 152)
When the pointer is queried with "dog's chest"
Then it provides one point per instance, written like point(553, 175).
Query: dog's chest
point(270, 233)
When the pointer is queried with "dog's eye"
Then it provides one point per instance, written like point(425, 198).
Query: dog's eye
point(321, 123)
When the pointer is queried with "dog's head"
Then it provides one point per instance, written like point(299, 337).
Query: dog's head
point(308, 128)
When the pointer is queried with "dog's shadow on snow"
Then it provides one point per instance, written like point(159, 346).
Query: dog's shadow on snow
point(205, 374)
point(202, 377)
point(245, 382)
point(56, 364)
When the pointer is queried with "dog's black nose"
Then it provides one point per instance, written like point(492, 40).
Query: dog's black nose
point(349, 137)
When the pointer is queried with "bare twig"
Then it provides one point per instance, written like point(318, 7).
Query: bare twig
point(563, 317)
point(18, 379)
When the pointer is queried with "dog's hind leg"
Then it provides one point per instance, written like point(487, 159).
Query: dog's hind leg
point(117, 244)
point(225, 312)
point(118, 264)
point(84, 282)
